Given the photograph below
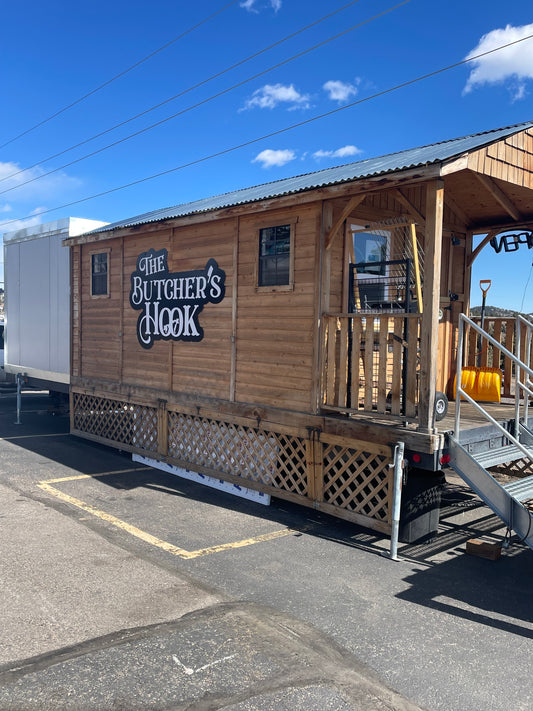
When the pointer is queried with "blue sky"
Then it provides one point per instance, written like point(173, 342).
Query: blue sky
point(53, 53)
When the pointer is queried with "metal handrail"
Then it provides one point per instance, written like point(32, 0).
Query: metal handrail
point(520, 366)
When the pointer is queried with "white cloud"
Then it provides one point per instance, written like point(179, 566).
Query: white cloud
point(269, 158)
point(513, 64)
point(251, 5)
point(339, 90)
point(13, 225)
point(24, 185)
point(339, 153)
point(271, 95)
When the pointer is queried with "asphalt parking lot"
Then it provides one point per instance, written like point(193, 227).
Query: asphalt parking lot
point(126, 587)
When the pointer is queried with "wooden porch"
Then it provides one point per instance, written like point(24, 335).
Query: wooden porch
point(370, 366)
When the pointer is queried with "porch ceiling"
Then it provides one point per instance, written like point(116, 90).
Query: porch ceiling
point(488, 202)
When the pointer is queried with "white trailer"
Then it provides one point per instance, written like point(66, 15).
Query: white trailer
point(37, 301)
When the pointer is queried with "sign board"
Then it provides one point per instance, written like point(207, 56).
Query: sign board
point(170, 303)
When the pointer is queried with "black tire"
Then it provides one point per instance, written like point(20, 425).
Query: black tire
point(441, 406)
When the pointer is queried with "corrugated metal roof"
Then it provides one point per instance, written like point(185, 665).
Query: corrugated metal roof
point(393, 162)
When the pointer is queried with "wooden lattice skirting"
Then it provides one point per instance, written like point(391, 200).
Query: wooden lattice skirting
point(343, 477)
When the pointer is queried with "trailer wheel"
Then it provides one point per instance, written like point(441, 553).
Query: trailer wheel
point(441, 406)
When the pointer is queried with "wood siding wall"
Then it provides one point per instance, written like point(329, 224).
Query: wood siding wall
point(276, 330)
point(258, 344)
point(510, 160)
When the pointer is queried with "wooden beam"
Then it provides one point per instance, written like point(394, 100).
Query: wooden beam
point(458, 211)
point(429, 330)
point(480, 229)
point(327, 219)
point(348, 209)
point(484, 242)
point(400, 197)
point(234, 306)
point(498, 194)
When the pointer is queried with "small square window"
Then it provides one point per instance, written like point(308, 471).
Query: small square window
point(99, 274)
point(275, 256)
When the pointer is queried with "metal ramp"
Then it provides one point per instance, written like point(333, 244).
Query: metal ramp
point(506, 500)
point(516, 442)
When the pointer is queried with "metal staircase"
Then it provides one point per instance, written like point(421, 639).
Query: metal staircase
point(506, 500)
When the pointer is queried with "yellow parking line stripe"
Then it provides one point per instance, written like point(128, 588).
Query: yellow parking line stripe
point(147, 537)
point(53, 434)
point(93, 476)
point(241, 544)
point(133, 530)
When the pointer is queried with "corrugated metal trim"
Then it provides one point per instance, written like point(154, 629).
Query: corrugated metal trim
point(370, 167)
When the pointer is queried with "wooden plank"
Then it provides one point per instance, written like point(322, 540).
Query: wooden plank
point(382, 366)
point(411, 374)
point(498, 194)
point(398, 354)
point(327, 220)
point(162, 428)
point(343, 364)
point(430, 322)
point(121, 314)
point(355, 361)
point(412, 209)
point(369, 362)
point(508, 364)
point(331, 341)
point(316, 333)
point(498, 337)
point(234, 311)
point(352, 204)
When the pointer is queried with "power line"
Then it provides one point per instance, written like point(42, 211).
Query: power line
point(181, 93)
point(204, 101)
point(278, 132)
point(119, 75)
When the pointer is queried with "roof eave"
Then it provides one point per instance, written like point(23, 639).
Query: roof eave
point(369, 184)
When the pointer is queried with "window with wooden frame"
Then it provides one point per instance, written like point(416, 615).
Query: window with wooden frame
point(275, 270)
point(100, 273)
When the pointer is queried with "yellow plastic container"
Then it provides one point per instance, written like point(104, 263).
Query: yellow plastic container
point(482, 384)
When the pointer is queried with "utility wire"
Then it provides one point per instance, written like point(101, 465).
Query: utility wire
point(278, 132)
point(181, 93)
point(120, 74)
point(204, 101)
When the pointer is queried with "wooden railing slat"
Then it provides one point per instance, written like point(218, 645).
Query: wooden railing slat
point(343, 364)
point(383, 363)
point(397, 359)
point(356, 363)
point(411, 375)
point(332, 341)
point(369, 362)
point(363, 359)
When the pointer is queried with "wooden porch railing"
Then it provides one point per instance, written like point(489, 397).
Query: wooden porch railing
point(481, 352)
point(370, 364)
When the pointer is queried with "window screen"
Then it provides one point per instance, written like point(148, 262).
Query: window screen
point(99, 283)
point(275, 256)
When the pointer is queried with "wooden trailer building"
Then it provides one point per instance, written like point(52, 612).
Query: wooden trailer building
point(287, 336)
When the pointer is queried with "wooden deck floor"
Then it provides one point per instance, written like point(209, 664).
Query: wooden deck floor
point(472, 419)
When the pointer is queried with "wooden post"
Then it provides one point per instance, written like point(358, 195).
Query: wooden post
point(324, 285)
point(429, 331)
point(327, 220)
point(121, 316)
point(234, 303)
point(162, 428)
